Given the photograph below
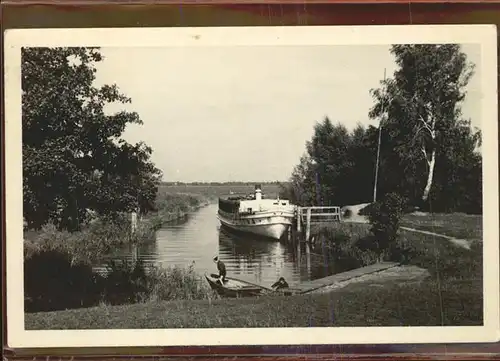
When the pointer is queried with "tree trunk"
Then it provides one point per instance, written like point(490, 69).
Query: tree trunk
point(430, 176)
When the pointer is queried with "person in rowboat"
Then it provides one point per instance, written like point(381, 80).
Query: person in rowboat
point(222, 269)
point(280, 284)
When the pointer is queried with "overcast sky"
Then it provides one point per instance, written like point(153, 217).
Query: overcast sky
point(245, 113)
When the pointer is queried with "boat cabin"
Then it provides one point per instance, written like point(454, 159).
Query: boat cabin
point(252, 203)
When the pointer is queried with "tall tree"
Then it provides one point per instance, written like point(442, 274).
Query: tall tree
point(422, 102)
point(328, 150)
point(337, 168)
point(301, 188)
point(362, 153)
point(74, 158)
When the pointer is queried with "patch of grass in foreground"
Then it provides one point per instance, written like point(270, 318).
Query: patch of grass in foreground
point(458, 225)
point(424, 304)
point(443, 259)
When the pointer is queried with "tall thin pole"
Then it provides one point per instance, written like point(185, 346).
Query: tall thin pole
point(378, 152)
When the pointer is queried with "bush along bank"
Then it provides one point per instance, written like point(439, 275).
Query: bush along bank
point(171, 207)
point(349, 245)
point(102, 233)
point(59, 270)
point(55, 280)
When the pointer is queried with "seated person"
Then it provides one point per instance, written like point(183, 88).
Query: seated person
point(280, 284)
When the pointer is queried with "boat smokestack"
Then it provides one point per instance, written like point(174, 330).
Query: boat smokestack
point(258, 192)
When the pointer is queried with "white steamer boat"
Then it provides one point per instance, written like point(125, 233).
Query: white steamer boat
point(255, 214)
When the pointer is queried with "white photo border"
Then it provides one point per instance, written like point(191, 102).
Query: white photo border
point(483, 35)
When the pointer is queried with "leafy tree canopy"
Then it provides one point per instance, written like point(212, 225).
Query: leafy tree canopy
point(74, 159)
point(420, 108)
point(428, 151)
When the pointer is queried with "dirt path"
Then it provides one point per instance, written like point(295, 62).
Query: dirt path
point(458, 242)
point(355, 217)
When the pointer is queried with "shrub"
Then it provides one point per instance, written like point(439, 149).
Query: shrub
point(125, 282)
point(331, 235)
point(87, 245)
point(345, 246)
point(402, 251)
point(144, 233)
point(177, 203)
point(54, 281)
point(93, 242)
point(385, 217)
point(175, 283)
point(154, 221)
point(132, 282)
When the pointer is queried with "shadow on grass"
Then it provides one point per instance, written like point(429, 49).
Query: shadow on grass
point(53, 281)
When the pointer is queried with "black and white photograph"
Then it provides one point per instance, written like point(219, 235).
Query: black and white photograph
point(252, 185)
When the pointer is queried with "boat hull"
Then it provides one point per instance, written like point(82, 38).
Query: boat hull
point(273, 227)
point(234, 288)
point(269, 218)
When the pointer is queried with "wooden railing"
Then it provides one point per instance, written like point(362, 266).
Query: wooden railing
point(321, 214)
point(317, 214)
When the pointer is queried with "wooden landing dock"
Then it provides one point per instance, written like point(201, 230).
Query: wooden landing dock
point(309, 286)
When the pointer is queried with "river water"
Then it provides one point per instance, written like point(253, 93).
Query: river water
point(198, 238)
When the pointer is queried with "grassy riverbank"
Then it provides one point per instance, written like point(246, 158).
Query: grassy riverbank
point(100, 236)
point(351, 242)
point(459, 225)
point(59, 272)
point(451, 295)
point(169, 207)
point(422, 304)
point(174, 206)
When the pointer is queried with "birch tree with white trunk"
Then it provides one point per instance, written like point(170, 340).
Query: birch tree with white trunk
point(421, 103)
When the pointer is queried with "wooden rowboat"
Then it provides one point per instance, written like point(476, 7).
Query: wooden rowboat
point(236, 288)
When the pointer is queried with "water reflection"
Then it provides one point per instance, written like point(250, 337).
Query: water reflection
point(257, 260)
point(199, 237)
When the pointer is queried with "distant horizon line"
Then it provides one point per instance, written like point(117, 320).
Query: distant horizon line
point(223, 182)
